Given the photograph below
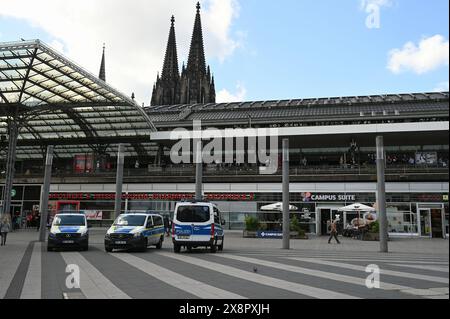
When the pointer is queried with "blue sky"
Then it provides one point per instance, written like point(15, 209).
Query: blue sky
point(264, 50)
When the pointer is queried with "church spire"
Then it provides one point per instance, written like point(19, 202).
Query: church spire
point(167, 87)
point(196, 61)
point(170, 68)
point(102, 73)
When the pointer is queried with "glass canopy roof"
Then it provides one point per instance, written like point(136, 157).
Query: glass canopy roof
point(54, 99)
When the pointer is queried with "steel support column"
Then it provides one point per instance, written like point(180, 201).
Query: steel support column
point(45, 193)
point(13, 134)
point(286, 197)
point(119, 181)
point(381, 195)
point(198, 171)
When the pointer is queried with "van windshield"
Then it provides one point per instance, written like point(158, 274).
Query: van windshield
point(130, 220)
point(193, 214)
point(69, 220)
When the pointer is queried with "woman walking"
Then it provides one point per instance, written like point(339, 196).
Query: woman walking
point(5, 228)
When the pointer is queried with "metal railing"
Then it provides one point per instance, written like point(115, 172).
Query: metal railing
point(185, 171)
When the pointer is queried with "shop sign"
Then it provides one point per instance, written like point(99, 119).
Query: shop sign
point(317, 197)
point(270, 234)
point(149, 196)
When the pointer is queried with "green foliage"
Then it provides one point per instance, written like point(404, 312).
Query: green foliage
point(297, 227)
point(251, 223)
point(374, 227)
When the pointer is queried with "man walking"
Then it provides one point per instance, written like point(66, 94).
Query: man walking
point(334, 232)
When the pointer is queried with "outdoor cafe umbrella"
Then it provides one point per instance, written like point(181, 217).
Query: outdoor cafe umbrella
point(278, 207)
point(357, 207)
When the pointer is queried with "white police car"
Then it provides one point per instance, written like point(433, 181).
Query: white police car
point(135, 231)
point(68, 230)
point(197, 224)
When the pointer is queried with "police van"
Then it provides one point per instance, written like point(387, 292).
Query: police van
point(68, 230)
point(136, 231)
point(197, 224)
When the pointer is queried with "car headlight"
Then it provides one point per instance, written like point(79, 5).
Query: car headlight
point(136, 235)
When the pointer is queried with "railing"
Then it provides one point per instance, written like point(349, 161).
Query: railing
point(185, 171)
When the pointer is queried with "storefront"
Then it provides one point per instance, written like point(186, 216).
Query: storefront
point(409, 214)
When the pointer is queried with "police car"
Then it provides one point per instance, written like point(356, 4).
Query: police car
point(68, 230)
point(135, 231)
point(197, 224)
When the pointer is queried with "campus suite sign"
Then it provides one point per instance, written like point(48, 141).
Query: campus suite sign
point(152, 196)
point(333, 197)
point(269, 234)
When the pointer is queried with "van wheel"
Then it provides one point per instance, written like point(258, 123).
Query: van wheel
point(221, 246)
point(176, 248)
point(213, 249)
point(159, 244)
point(49, 249)
point(108, 249)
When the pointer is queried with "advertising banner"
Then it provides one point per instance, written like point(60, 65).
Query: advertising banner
point(93, 214)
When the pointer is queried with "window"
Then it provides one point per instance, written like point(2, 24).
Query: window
point(216, 216)
point(193, 214)
point(130, 220)
point(157, 221)
point(69, 220)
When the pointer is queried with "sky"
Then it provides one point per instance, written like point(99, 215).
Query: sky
point(257, 49)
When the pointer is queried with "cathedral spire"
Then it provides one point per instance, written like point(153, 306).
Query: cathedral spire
point(102, 73)
point(167, 87)
point(170, 68)
point(196, 61)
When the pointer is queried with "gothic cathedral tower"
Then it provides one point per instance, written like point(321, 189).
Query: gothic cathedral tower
point(196, 84)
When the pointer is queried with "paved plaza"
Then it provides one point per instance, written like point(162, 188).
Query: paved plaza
point(247, 268)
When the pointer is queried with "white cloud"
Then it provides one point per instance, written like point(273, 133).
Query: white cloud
point(430, 54)
point(135, 33)
point(224, 96)
point(442, 87)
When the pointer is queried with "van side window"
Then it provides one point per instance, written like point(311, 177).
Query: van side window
point(150, 222)
point(216, 216)
point(157, 221)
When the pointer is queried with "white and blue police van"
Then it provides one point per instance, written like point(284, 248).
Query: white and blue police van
point(68, 230)
point(135, 231)
point(197, 224)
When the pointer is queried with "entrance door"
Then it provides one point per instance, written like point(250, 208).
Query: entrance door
point(436, 223)
point(325, 219)
point(425, 222)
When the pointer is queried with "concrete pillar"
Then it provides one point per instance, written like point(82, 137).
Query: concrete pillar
point(45, 193)
point(119, 181)
point(286, 198)
point(381, 195)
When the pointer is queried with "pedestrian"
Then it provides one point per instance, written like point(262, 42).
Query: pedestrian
point(38, 220)
point(5, 228)
point(167, 225)
point(334, 232)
